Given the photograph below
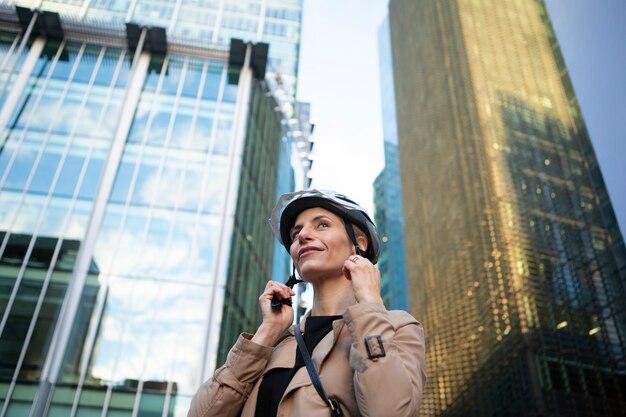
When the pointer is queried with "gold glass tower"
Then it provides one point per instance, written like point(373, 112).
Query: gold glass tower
point(515, 261)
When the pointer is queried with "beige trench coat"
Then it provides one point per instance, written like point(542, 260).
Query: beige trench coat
point(391, 385)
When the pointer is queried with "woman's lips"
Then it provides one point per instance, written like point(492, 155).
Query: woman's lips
point(307, 250)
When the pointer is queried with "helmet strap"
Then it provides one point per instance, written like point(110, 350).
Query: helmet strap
point(352, 236)
point(292, 278)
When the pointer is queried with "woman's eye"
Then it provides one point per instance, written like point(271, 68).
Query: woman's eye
point(294, 235)
point(323, 225)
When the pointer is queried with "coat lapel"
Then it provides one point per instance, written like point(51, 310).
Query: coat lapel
point(325, 345)
point(321, 351)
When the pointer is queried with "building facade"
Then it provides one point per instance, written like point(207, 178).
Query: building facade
point(139, 152)
point(387, 189)
point(390, 224)
point(516, 265)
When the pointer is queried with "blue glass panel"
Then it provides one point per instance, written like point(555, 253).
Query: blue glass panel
point(223, 137)
point(91, 179)
point(45, 171)
point(191, 188)
point(87, 64)
point(69, 175)
point(123, 178)
point(151, 404)
point(150, 256)
point(180, 250)
point(230, 91)
point(27, 101)
point(146, 184)
point(21, 168)
point(55, 218)
point(169, 184)
point(61, 404)
point(127, 243)
point(22, 400)
point(46, 320)
point(172, 77)
point(10, 203)
point(106, 9)
point(215, 190)
point(154, 12)
point(63, 67)
point(202, 134)
point(137, 129)
point(91, 401)
point(206, 240)
point(192, 80)
point(69, 112)
point(154, 72)
point(191, 299)
point(125, 72)
point(121, 404)
point(107, 67)
point(158, 128)
point(107, 242)
point(109, 123)
point(181, 132)
point(212, 84)
point(6, 153)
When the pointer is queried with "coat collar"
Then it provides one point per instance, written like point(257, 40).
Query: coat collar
point(320, 353)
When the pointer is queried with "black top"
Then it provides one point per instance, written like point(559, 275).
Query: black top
point(275, 381)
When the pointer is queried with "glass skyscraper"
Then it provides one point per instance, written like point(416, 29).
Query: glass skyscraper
point(387, 189)
point(516, 264)
point(139, 152)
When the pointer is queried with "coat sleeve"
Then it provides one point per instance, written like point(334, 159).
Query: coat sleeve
point(389, 377)
point(226, 392)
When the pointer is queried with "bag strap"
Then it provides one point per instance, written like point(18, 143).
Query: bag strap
point(335, 411)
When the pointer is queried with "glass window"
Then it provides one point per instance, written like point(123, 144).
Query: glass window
point(146, 184)
point(72, 167)
point(123, 179)
point(191, 83)
point(54, 218)
point(22, 164)
point(202, 133)
point(91, 179)
point(181, 132)
point(159, 126)
point(212, 83)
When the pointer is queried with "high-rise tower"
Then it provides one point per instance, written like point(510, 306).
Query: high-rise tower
point(516, 264)
point(387, 190)
point(140, 147)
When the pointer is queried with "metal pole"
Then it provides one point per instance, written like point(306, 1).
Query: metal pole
point(25, 38)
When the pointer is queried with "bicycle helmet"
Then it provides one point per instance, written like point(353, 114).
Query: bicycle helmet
point(290, 205)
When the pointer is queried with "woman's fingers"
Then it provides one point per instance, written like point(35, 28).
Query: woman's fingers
point(275, 321)
point(365, 278)
point(276, 288)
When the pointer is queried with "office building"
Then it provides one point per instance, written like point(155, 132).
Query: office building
point(140, 143)
point(387, 190)
point(516, 265)
point(389, 222)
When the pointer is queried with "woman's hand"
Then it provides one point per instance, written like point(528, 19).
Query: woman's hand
point(365, 278)
point(275, 321)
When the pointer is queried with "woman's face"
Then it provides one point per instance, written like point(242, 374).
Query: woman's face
point(320, 244)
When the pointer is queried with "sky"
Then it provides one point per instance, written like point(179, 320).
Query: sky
point(338, 75)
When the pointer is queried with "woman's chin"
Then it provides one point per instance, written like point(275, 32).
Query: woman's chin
point(311, 273)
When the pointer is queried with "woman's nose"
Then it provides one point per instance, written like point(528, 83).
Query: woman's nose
point(304, 234)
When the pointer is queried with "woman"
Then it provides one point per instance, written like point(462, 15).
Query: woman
point(369, 361)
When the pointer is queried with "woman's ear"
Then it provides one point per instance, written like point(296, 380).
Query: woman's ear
point(362, 241)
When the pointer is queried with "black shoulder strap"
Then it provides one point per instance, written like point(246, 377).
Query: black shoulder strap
point(335, 411)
